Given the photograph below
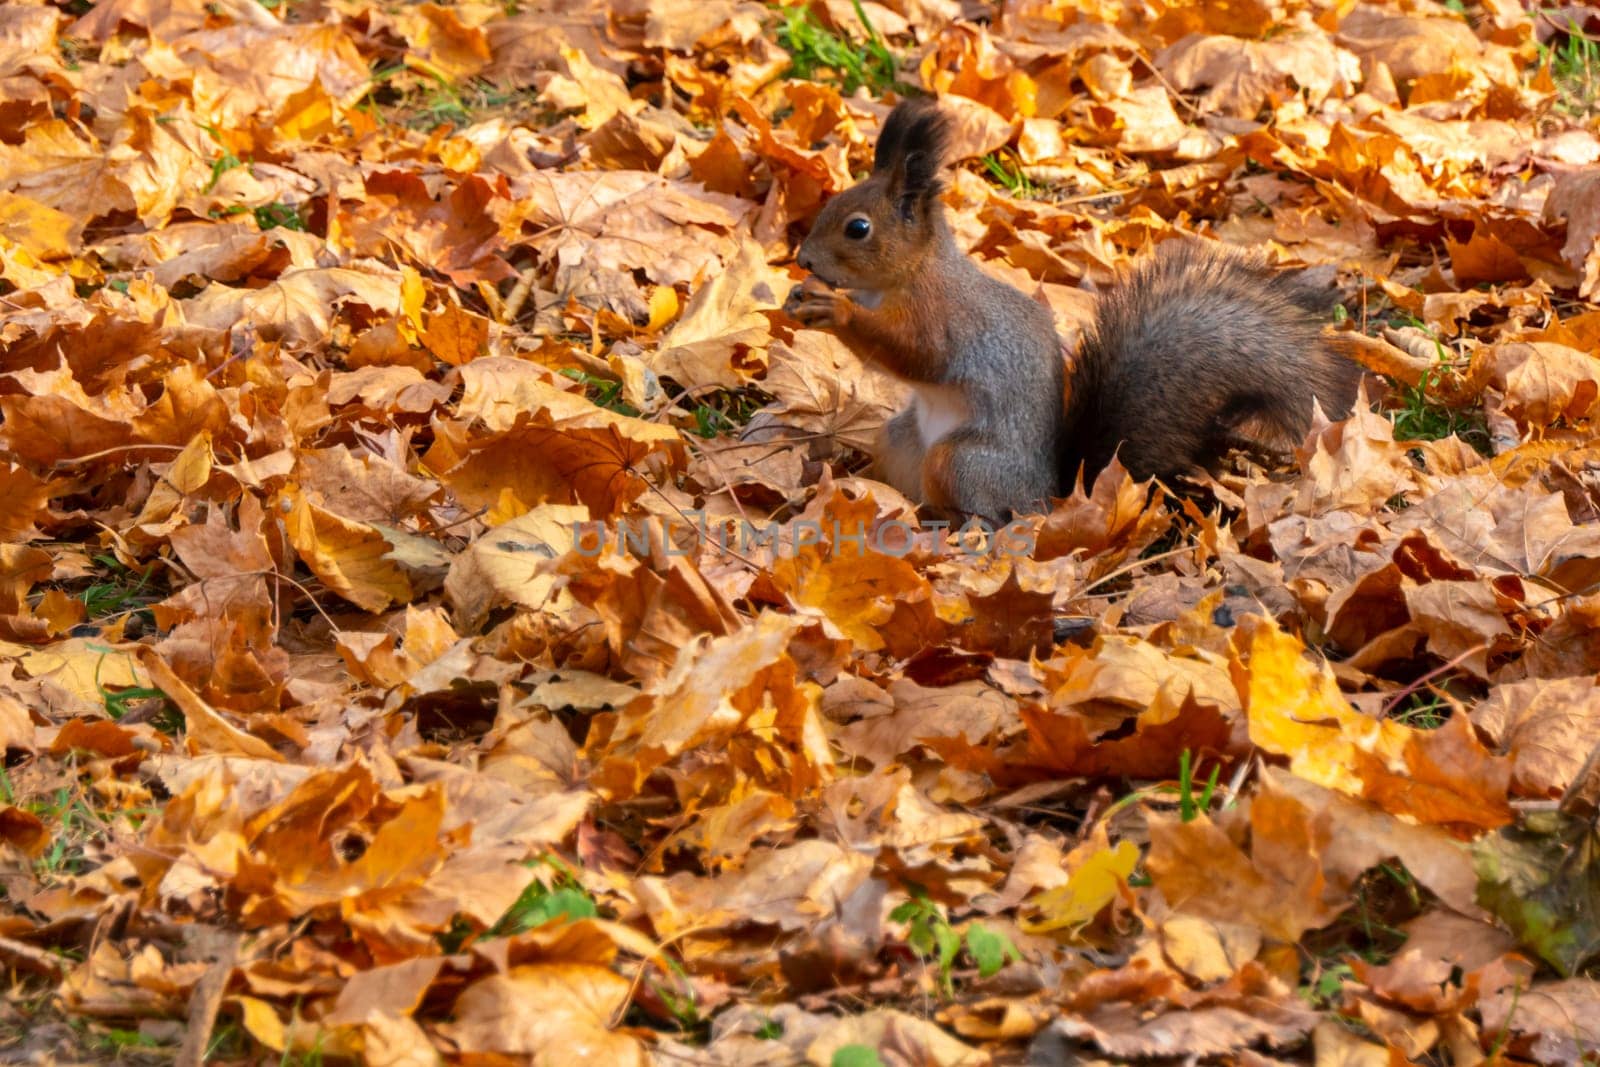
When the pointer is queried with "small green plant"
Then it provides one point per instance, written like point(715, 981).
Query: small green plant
point(1325, 986)
point(72, 52)
point(680, 1002)
point(169, 720)
point(1504, 1033)
point(1383, 900)
point(725, 411)
point(116, 1040)
point(223, 163)
point(1421, 416)
point(930, 935)
point(1006, 169)
point(228, 1041)
point(312, 1057)
point(855, 1056)
point(563, 899)
point(990, 950)
point(433, 102)
point(1189, 806)
point(455, 936)
point(118, 702)
point(280, 215)
point(1423, 711)
point(709, 422)
point(121, 593)
point(1386, 897)
point(441, 105)
point(73, 824)
point(1406, 883)
point(602, 392)
point(1574, 66)
point(816, 50)
point(769, 1030)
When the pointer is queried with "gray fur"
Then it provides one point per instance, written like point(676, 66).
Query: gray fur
point(1010, 367)
point(1198, 348)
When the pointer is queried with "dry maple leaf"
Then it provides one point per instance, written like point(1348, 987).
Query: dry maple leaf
point(823, 397)
point(457, 234)
point(298, 306)
point(719, 340)
point(606, 222)
point(547, 1011)
point(519, 436)
point(741, 693)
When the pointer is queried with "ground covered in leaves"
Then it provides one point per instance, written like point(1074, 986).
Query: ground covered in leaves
point(344, 342)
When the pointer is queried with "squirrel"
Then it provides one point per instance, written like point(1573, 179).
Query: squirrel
point(1199, 349)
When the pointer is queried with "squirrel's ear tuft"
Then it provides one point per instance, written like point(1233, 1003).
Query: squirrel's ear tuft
point(912, 149)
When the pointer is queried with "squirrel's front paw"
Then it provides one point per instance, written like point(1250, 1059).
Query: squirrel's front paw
point(815, 304)
point(797, 294)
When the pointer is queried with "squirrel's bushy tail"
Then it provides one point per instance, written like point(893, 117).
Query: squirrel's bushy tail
point(1198, 349)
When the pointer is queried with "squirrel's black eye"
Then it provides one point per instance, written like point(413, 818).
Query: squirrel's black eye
point(857, 228)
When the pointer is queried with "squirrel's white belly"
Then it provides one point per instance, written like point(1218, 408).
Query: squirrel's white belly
point(940, 409)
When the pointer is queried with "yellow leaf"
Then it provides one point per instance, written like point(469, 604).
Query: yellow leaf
point(262, 1021)
point(38, 229)
point(351, 558)
point(1295, 709)
point(663, 307)
point(1092, 887)
point(187, 474)
point(412, 295)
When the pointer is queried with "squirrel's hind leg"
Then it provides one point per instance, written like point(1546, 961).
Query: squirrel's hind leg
point(900, 453)
point(968, 471)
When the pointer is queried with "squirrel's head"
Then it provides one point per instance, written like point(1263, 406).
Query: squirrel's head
point(875, 234)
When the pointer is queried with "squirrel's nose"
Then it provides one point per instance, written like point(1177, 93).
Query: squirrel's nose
point(803, 259)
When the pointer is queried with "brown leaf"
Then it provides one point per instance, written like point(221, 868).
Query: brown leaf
point(1551, 1022)
point(741, 693)
point(650, 612)
point(1547, 727)
point(824, 396)
point(1239, 77)
point(1574, 198)
point(299, 306)
point(548, 1011)
point(521, 441)
point(456, 234)
point(790, 888)
point(351, 558)
point(24, 831)
point(897, 1038)
point(1544, 382)
point(205, 729)
point(720, 339)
